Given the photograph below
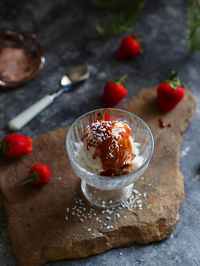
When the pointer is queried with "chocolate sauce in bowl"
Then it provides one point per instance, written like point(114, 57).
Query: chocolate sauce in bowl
point(21, 58)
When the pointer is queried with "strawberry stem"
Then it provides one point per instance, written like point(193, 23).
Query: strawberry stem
point(174, 80)
point(30, 180)
point(3, 146)
point(99, 116)
point(174, 75)
point(121, 79)
point(33, 178)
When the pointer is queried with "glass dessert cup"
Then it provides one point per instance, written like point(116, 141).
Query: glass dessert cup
point(109, 191)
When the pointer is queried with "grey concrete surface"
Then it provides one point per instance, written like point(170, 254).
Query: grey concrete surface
point(65, 30)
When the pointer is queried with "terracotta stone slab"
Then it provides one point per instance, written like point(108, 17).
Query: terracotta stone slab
point(42, 229)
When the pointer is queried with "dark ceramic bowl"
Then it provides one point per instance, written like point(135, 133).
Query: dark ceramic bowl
point(21, 58)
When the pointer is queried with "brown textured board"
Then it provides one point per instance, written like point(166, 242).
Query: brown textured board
point(55, 222)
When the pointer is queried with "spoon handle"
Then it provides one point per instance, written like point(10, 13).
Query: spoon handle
point(24, 117)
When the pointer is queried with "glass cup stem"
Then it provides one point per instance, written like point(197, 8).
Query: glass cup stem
point(106, 198)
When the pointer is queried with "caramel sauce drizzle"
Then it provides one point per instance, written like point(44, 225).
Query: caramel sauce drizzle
point(113, 149)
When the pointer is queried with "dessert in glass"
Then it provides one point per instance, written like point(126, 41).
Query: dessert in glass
point(109, 149)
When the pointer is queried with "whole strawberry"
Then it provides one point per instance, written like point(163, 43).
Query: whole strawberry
point(15, 145)
point(170, 93)
point(114, 92)
point(102, 116)
point(39, 175)
point(129, 47)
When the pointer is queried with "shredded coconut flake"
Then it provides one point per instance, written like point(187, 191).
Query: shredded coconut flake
point(101, 219)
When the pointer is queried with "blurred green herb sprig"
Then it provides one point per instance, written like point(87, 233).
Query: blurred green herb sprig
point(193, 16)
point(125, 14)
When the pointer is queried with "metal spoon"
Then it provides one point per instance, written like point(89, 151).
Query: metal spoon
point(75, 76)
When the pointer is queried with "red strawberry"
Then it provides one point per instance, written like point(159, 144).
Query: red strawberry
point(129, 47)
point(102, 116)
point(114, 92)
point(39, 175)
point(15, 145)
point(170, 93)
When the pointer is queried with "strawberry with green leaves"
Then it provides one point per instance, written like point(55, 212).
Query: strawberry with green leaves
point(39, 175)
point(170, 93)
point(114, 92)
point(15, 145)
point(129, 47)
point(102, 116)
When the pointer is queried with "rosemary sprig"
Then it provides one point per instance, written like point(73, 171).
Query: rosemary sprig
point(194, 24)
point(124, 16)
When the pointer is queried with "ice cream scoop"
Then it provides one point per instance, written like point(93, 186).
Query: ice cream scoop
point(108, 148)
